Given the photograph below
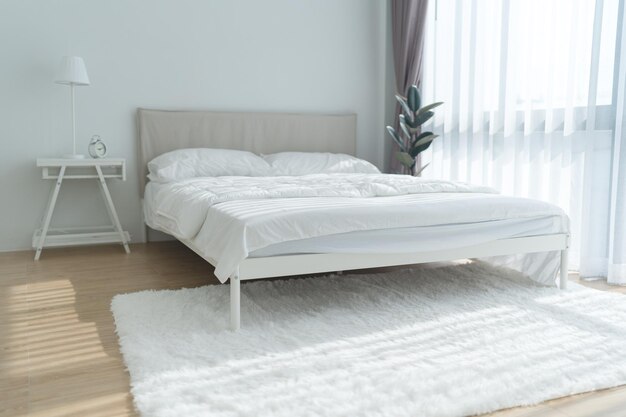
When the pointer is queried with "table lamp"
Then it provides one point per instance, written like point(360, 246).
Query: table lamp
point(72, 72)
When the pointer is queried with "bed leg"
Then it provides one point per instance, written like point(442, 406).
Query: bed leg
point(563, 270)
point(235, 296)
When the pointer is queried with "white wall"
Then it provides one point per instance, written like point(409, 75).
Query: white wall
point(273, 55)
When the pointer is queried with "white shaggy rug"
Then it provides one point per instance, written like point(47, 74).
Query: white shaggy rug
point(448, 341)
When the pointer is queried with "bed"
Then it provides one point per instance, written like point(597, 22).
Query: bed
point(271, 226)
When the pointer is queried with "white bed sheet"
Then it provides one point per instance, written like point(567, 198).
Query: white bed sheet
point(415, 239)
point(235, 229)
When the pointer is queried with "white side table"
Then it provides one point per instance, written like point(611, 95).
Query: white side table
point(69, 169)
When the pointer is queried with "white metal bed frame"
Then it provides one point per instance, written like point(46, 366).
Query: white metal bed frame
point(272, 132)
point(301, 264)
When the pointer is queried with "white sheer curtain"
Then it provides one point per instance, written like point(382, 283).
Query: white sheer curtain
point(617, 225)
point(528, 92)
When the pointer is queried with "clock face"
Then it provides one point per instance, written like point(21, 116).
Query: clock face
point(100, 148)
point(97, 149)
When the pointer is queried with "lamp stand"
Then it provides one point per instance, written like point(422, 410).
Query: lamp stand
point(73, 155)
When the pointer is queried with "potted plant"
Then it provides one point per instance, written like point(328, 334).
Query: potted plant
point(411, 140)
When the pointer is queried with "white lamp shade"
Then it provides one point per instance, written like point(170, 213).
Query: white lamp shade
point(72, 71)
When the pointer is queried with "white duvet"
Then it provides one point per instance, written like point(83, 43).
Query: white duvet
point(227, 218)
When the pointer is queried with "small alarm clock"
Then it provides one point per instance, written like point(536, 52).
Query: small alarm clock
point(97, 148)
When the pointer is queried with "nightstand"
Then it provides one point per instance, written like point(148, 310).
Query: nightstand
point(60, 169)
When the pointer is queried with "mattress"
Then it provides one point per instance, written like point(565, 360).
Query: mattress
point(434, 217)
point(415, 239)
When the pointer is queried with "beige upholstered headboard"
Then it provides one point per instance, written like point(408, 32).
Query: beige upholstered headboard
point(162, 131)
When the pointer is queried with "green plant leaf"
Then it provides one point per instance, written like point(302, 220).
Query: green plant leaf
point(413, 126)
point(403, 126)
point(429, 107)
point(413, 98)
point(419, 172)
point(423, 118)
point(405, 107)
point(405, 159)
point(421, 143)
point(420, 136)
point(414, 151)
point(396, 138)
point(414, 130)
point(424, 139)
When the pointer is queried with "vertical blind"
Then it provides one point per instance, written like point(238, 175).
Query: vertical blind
point(528, 92)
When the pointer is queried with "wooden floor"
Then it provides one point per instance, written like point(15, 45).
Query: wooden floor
point(58, 349)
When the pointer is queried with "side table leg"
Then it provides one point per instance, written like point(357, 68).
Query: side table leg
point(111, 208)
point(49, 211)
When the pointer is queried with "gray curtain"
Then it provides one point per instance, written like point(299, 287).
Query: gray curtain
point(408, 19)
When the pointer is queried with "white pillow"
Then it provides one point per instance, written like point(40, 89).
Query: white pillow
point(205, 162)
point(305, 163)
